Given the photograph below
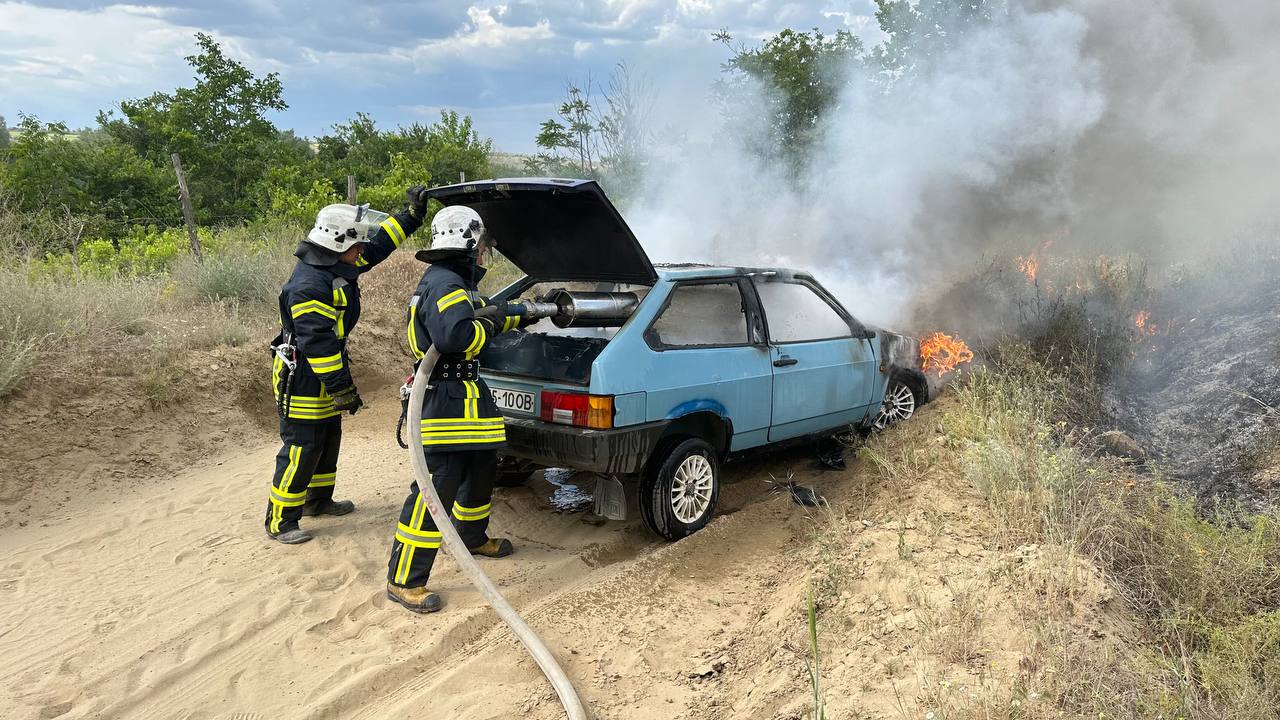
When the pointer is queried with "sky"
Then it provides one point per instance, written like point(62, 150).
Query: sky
point(504, 63)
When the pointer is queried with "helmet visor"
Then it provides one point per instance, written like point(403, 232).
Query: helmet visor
point(367, 222)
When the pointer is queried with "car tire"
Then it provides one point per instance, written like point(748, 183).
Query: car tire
point(512, 478)
point(901, 400)
point(679, 491)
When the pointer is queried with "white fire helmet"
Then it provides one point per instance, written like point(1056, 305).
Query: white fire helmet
point(339, 226)
point(457, 227)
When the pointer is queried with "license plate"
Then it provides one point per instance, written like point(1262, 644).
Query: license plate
point(513, 400)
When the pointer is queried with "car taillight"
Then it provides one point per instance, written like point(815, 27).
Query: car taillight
point(565, 408)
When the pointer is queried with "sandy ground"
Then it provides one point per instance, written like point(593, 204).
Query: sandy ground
point(161, 597)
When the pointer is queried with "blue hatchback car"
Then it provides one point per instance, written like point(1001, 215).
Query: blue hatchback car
point(653, 376)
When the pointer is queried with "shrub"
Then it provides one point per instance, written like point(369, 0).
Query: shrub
point(252, 274)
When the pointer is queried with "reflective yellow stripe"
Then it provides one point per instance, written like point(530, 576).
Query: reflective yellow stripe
point(312, 401)
point(340, 300)
point(392, 226)
point(460, 421)
point(451, 299)
point(477, 343)
point(413, 328)
point(313, 306)
point(466, 513)
point(417, 538)
point(332, 363)
point(324, 479)
point(509, 323)
point(469, 440)
point(465, 435)
point(280, 496)
point(285, 499)
point(361, 262)
point(406, 552)
point(295, 454)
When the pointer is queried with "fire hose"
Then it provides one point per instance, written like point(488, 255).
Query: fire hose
point(546, 661)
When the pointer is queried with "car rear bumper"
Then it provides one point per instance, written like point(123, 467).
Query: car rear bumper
point(620, 451)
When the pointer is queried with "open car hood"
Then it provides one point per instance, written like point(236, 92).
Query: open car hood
point(555, 229)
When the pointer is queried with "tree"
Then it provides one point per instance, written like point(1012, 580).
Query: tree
point(919, 30)
point(5, 140)
point(447, 148)
point(574, 131)
point(609, 145)
point(104, 183)
point(802, 73)
point(218, 126)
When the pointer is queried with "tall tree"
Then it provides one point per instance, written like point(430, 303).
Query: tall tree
point(801, 74)
point(4, 137)
point(218, 126)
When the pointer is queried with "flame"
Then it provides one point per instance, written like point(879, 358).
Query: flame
point(1142, 321)
point(1029, 265)
point(942, 353)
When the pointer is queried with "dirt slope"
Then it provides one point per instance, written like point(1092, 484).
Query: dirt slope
point(164, 599)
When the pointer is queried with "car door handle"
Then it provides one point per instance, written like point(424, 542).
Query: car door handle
point(785, 361)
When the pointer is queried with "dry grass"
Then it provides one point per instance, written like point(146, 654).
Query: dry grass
point(952, 628)
point(1195, 582)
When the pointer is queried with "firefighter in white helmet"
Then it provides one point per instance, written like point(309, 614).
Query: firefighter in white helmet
point(461, 427)
point(311, 373)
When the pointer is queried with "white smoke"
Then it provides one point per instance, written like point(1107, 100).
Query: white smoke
point(1117, 125)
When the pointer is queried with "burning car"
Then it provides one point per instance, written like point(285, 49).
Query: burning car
point(653, 376)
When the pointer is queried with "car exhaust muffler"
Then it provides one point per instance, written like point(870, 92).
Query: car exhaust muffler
point(570, 308)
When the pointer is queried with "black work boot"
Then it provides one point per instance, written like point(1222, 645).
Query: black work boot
point(290, 535)
point(494, 548)
point(416, 599)
point(312, 508)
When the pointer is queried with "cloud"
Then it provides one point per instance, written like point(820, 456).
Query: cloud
point(485, 42)
point(67, 59)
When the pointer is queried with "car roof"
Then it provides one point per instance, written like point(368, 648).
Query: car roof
point(689, 271)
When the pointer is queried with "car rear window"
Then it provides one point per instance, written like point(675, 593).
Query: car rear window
point(700, 315)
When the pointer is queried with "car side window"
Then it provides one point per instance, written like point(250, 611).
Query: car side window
point(699, 315)
point(795, 312)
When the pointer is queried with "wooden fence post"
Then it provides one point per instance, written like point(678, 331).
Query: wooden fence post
point(351, 189)
point(188, 214)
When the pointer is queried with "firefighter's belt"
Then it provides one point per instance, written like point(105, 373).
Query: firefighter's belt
point(451, 369)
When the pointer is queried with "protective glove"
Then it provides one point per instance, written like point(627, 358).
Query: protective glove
point(417, 197)
point(347, 399)
point(492, 314)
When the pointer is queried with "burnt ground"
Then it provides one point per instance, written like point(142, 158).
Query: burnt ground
point(1203, 393)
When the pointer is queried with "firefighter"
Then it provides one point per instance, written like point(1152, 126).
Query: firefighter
point(461, 427)
point(319, 307)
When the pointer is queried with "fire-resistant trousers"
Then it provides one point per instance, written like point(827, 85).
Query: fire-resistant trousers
point(464, 480)
point(306, 469)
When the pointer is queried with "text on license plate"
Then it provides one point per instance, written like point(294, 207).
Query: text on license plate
point(514, 400)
